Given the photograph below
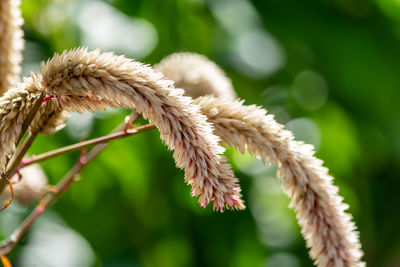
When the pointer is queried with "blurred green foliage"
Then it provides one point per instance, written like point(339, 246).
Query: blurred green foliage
point(329, 69)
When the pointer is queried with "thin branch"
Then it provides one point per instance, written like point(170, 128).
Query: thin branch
point(24, 148)
point(30, 116)
point(20, 153)
point(16, 159)
point(46, 202)
point(85, 144)
point(66, 182)
point(125, 127)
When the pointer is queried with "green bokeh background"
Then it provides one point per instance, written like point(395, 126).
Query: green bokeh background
point(328, 69)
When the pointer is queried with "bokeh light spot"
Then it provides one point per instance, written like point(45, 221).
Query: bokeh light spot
point(79, 125)
point(259, 54)
point(310, 90)
point(306, 130)
point(107, 28)
point(52, 243)
point(282, 260)
point(269, 206)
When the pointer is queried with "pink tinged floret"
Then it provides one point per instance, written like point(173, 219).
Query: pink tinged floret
point(193, 178)
point(48, 97)
point(99, 100)
point(217, 208)
point(234, 199)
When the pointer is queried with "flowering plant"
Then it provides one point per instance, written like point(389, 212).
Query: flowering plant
point(79, 80)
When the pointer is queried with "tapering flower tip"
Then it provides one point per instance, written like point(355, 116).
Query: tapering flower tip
point(11, 44)
point(328, 230)
point(197, 75)
point(28, 187)
point(82, 80)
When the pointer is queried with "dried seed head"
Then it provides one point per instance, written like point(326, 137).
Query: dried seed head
point(11, 44)
point(49, 119)
point(15, 105)
point(197, 75)
point(328, 230)
point(82, 80)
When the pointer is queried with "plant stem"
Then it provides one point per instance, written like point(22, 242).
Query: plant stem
point(66, 182)
point(44, 203)
point(24, 148)
point(20, 153)
point(16, 159)
point(30, 116)
point(85, 144)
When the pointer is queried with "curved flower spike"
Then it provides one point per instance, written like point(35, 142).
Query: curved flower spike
point(197, 75)
point(11, 44)
point(81, 80)
point(328, 230)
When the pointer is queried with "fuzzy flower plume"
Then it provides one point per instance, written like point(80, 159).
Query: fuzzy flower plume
point(11, 43)
point(15, 105)
point(328, 230)
point(80, 80)
point(197, 75)
point(50, 118)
